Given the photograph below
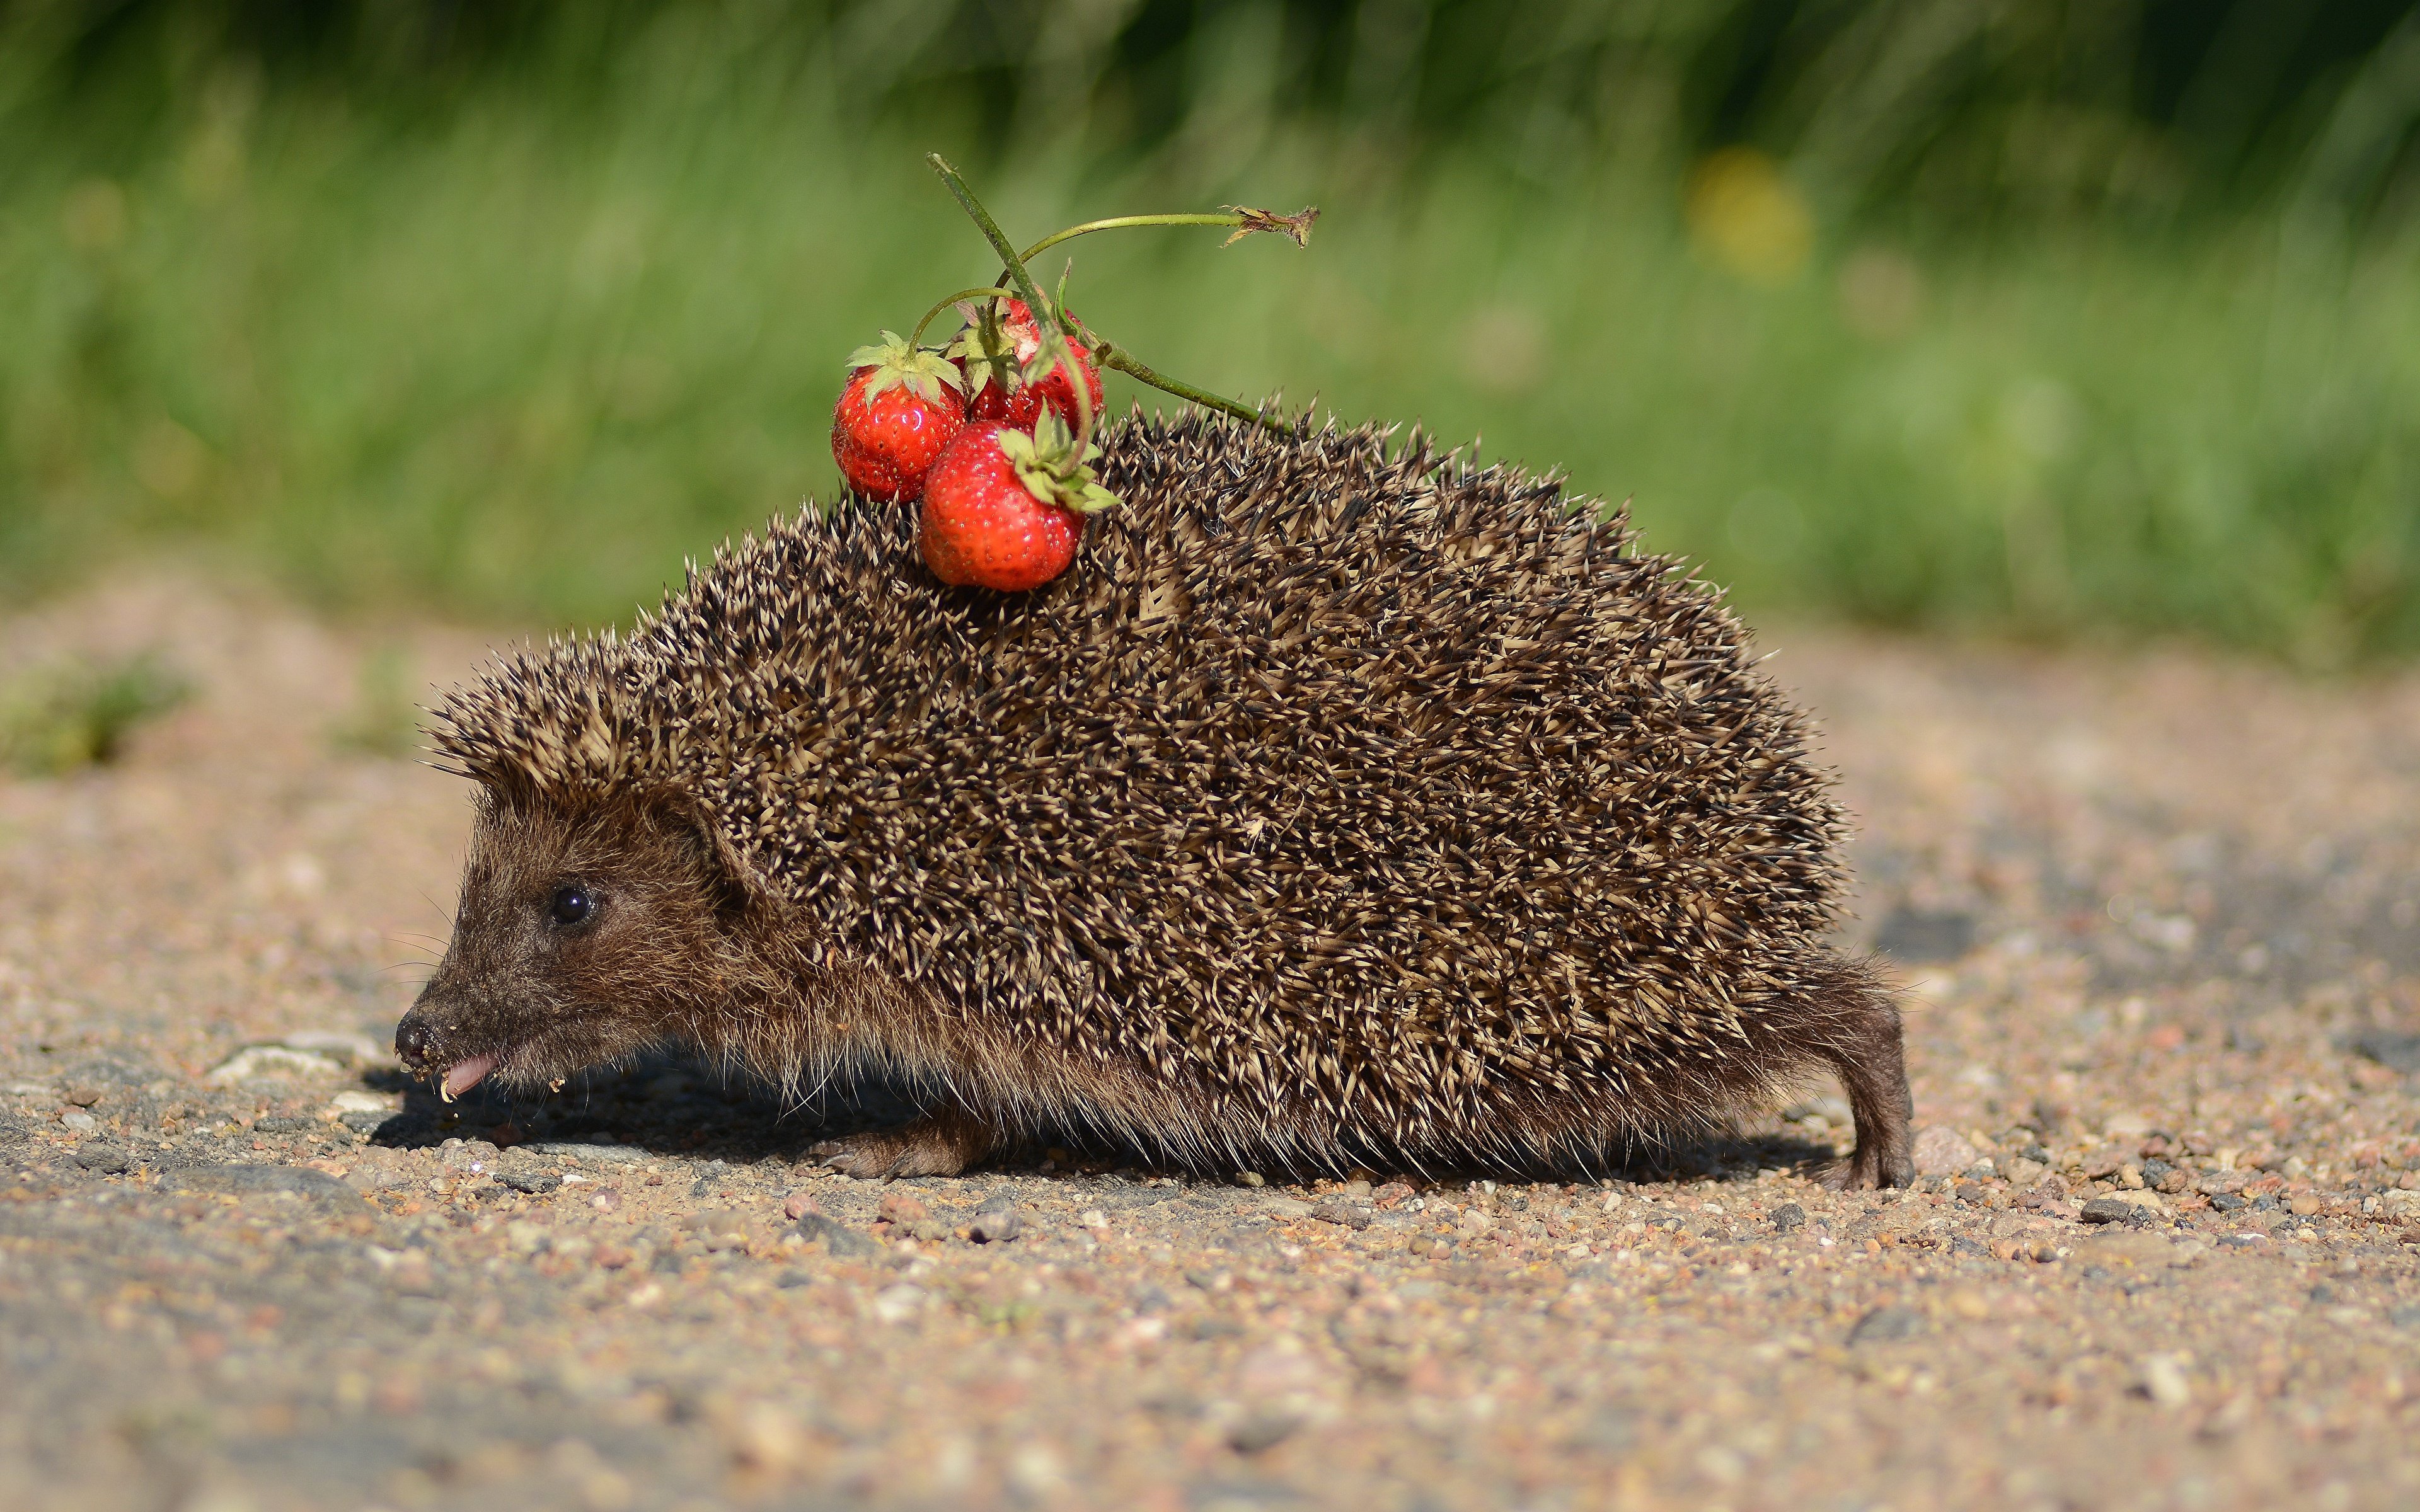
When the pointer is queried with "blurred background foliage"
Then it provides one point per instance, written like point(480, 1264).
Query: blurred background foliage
point(2003, 316)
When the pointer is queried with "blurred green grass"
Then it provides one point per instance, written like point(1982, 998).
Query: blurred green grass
point(79, 713)
point(514, 360)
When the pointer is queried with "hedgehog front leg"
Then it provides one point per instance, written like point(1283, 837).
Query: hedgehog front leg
point(941, 1143)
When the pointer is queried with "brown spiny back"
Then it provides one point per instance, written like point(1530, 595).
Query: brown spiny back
point(1401, 797)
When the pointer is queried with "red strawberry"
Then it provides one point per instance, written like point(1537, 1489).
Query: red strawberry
point(1026, 394)
point(900, 410)
point(1005, 510)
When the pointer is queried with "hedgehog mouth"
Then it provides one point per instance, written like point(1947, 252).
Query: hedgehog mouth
point(464, 1074)
point(542, 1059)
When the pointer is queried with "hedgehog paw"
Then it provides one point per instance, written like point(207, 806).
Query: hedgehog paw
point(938, 1146)
point(879, 1157)
point(1860, 1172)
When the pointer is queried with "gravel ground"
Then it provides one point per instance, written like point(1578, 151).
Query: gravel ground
point(2158, 912)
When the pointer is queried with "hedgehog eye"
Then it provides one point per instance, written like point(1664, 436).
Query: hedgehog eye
point(571, 905)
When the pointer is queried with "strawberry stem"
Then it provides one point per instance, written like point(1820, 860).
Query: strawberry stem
point(1055, 335)
point(1243, 218)
point(1062, 328)
point(1109, 356)
point(1117, 222)
point(917, 335)
point(1015, 265)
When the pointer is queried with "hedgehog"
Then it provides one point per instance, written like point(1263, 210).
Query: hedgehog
point(1348, 802)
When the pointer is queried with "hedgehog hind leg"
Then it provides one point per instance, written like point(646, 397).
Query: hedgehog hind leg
point(944, 1142)
point(1860, 1039)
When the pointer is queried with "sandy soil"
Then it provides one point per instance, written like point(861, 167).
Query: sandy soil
point(2158, 911)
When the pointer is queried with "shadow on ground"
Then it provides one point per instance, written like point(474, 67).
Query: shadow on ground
point(671, 1105)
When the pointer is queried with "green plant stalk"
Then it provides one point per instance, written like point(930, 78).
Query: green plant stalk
point(1063, 327)
point(1109, 356)
point(1229, 217)
point(992, 292)
point(991, 231)
point(1106, 354)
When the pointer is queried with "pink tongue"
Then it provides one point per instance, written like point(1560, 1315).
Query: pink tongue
point(466, 1075)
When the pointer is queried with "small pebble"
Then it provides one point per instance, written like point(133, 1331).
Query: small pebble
point(1264, 1429)
point(998, 1222)
point(839, 1241)
point(1942, 1152)
point(104, 1159)
point(2165, 1383)
point(1885, 1325)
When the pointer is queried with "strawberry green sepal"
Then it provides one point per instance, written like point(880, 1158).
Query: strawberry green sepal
point(895, 362)
point(986, 349)
point(1047, 464)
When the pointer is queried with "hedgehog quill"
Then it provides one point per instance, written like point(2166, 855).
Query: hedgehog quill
point(1345, 802)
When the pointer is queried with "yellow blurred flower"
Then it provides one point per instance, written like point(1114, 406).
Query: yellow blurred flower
point(1741, 210)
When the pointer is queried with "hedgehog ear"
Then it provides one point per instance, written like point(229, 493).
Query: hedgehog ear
point(743, 887)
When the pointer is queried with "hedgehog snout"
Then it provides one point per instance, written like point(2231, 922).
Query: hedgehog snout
point(412, 1041)
point(444, 1025)
point(424, 1038)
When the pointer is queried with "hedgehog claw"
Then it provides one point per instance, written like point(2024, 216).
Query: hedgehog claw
point(866, 1157)
point(941, 1145)
point(880, 1157)
point(1859, 1172)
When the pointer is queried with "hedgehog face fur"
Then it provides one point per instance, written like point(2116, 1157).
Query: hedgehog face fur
point(1338, 805)
point(581, 939)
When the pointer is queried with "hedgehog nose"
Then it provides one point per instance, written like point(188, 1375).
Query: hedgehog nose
point(412, 1041)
